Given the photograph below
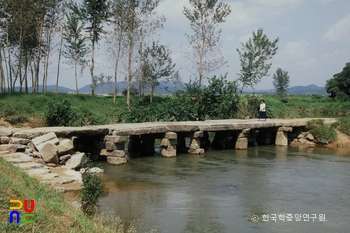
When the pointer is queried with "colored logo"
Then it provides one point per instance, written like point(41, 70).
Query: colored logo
point(16, 205)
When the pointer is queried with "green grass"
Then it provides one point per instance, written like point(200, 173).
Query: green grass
point(52, 212)
point(20, 109)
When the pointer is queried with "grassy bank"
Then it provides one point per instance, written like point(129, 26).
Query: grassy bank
point(52, 212)
point(32, 109)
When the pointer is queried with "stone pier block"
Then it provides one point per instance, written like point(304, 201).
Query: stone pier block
point(115, 139)
point(281, 138)
point(168, 145)
point(195, 143)
point(241, 143)
point(117, 160)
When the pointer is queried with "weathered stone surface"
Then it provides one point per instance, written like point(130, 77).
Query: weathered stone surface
point(39, 142)
point(310, 137)
point(110, 146)
point(198, 134)
point(195, 144)
point(169, 152)
point(65, 157)
point(20, 141)
point(305, 141)
point(18, 158)
point(38, 172)
point(170, 135)
point(165, 142)
point(23, 135)
point(76, 161)
point(241, 143)
point(116, 160)
point(64, 146)
point(285, 129)
point(12, 148)
point(4, 140)
point(28, 166)
point(51, 165)
point(6, 132)
point(281, 138)
point(244, 133)
point(115, 139)
point(48, 152)
point(117, 153)
point(196, 151)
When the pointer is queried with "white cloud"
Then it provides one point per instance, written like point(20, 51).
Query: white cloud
point(339, 31)
point(295, 50)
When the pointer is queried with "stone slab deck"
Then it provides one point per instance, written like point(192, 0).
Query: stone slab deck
point(164, 127)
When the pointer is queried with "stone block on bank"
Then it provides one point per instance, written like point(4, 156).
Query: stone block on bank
point(4, 140)
point(65, 157)
point(76, 161)
point(64, 146)
point(40, 141)
point(11, 148)
point(48, 152)
point(20, 141)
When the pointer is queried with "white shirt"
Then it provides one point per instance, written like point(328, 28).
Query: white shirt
point(262, 107)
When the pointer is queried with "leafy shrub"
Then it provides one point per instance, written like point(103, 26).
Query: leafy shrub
point(93, 189)
point(217, 101)
point(344, 125)
point(133, 91)
point(60, 114)
point(322, 133)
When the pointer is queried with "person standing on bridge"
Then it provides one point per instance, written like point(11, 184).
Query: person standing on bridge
point(262, 111)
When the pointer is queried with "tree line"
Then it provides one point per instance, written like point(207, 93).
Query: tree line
point(33, 30)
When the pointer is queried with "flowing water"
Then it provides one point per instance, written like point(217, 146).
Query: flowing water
point(307, 189)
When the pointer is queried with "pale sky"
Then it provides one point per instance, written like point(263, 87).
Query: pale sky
point(314, 39)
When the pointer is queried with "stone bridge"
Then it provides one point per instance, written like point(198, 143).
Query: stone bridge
point(110, 140)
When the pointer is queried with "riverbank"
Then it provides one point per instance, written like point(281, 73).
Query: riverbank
point(52, 212)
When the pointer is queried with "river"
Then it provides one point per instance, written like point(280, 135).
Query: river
point(262, 189)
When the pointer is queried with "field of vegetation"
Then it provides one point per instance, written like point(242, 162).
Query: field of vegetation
point(50, 109)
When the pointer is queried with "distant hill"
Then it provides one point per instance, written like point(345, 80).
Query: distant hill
point(163, 88)
point(296, 90)
point(168, 87)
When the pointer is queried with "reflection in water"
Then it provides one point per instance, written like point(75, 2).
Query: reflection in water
point(221, 190)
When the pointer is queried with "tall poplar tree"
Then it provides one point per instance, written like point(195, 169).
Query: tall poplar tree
point(75, 48)
point(254, 54)
point(95, 13)
point(205, 44)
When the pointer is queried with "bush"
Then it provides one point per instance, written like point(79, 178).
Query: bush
point(322, 133)
point(60, 114)
point(344, 125)
point(93, 189)
point(217, 101)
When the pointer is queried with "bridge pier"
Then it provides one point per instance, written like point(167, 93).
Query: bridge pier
point(282, 136)
point(114, 149)
point(242, 140)
point(195, 143)
point(168, 145)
